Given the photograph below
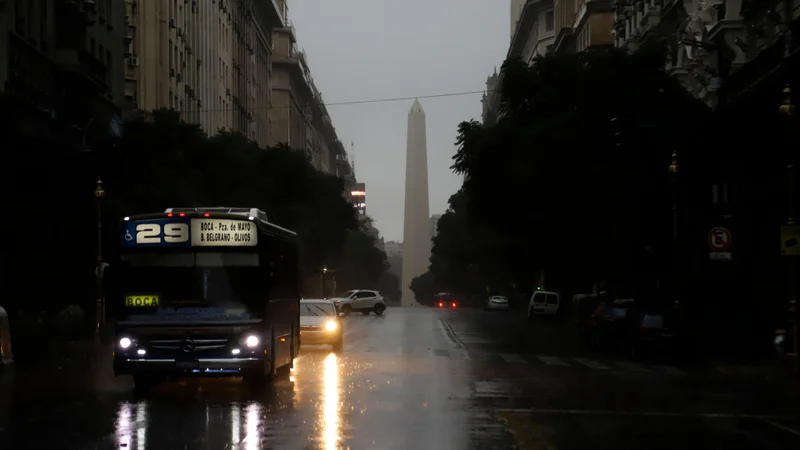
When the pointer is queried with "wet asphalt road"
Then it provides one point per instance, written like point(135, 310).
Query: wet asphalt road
point(412, 379)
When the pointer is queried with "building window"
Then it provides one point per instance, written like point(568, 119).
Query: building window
point(549, 21)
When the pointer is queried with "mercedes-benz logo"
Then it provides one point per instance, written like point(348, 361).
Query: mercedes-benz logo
point(187, 346)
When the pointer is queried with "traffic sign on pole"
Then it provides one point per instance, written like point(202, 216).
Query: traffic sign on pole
point(719, 239)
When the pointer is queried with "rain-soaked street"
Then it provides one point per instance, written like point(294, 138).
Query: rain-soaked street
point(412, 379)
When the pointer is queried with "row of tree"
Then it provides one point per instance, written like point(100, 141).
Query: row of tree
point(161, 162)
point(571, 186)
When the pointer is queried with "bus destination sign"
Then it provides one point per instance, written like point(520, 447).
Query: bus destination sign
point(184, 232)
point(223, 232)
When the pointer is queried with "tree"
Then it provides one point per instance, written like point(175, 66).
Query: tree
point(572, 181)
point(163, 162)
point(362, 263)
point(424, 287)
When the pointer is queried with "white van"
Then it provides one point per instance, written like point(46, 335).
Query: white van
point(543, 303)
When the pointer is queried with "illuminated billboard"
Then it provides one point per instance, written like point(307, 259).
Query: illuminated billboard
point(358, 197)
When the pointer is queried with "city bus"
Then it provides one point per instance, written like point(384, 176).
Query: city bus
point(204, 291)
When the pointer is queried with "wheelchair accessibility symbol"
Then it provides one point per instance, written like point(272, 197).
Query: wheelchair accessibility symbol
point(128, 236)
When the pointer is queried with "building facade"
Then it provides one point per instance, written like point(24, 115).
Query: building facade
point(299, 117)
point(209, 60)
point(65, 58)
point(533, 36)
point(582, 24)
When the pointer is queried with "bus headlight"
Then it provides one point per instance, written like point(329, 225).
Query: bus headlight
point(330, 326)
point(125, 343)
point(251, 341)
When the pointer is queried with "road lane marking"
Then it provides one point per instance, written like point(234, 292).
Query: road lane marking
point(512, 358)
point(495, 389)
point(632, 366)
point(552, 361)
point(644, 413)
point(780, 427)
point(449, 334)
point(592, 364)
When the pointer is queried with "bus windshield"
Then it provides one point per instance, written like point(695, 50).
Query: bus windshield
point(209, 284)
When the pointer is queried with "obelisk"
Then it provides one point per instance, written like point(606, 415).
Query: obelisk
point(416, 224)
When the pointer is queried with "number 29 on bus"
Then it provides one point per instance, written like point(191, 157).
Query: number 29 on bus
point(169, 233)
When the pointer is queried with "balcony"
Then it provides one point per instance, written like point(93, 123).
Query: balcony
point(271, 13)
point(30, 73)
point(82, 66)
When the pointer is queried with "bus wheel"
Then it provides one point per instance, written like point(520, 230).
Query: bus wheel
point(337, 347)
point(379, 309)
point(346, 310)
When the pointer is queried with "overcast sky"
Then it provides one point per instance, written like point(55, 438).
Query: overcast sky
point(376, 49)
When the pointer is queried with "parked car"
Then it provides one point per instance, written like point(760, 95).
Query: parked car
point(543, 303)
point(649, 334)
point(497, 303)
point(362, 300)
point(320, 324)
point(609, 325)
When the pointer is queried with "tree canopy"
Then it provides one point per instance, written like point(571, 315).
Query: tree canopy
point(572, 182)
point(163, 162)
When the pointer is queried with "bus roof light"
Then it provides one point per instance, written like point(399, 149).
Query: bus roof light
point(182, 214)
point(206, 214)
point(169, 214)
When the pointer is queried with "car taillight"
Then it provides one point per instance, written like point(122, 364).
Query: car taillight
point(454, 305)
point(441, 305)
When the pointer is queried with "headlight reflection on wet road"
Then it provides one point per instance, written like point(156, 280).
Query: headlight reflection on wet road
point(125, 427)
point(330, 411)
point(252, 439)
point(236, 425)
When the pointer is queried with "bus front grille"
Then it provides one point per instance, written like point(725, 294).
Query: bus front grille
point(199, 344)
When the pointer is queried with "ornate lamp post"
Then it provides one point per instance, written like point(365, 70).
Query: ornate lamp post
point(99, 195)
point(787, 111)
point(674, 168)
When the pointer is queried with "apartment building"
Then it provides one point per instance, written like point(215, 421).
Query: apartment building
point(719, 48)
point(208, 59)
point(533, 36)
point(65, 58)
point(582, 24)
point(299, 117)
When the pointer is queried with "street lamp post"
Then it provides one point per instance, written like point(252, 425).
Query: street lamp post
point(674, 169)
point(99, 195)
point(322, 282)
point(787, 111)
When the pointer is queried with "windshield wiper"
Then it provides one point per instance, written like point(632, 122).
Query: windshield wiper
point(327, 313)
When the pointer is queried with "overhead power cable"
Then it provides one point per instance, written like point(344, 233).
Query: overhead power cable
point(353, 102)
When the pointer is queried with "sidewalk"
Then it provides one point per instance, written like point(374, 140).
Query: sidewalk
point(66, 353)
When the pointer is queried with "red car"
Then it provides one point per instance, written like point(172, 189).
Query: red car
point(446, 300)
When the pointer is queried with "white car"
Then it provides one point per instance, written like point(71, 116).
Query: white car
point(497, 303)
point(362, 300)
point(320, 324)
